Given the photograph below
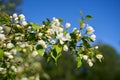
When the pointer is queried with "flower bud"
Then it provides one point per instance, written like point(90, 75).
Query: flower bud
point(90, 63)
point(65, 48)
point(14, 15)
point(93, 37)
point(24, 23)
point(67, 25)
point(96, 47)
point(85, 57)
point(89, 29)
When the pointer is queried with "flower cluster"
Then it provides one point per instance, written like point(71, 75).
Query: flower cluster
point(22, 41)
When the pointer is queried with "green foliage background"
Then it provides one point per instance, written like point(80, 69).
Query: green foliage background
point(108, 69)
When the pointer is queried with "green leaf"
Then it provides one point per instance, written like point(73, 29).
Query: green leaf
point(60, 20)
point(86, 41)
point(58, 49)
point(56, 52)
point(79, 63)
point(35, 26)
point(81, 23)
point(18, 30)
point(47, 22)
point(88, 17)
point(65, 32)
point(41, 52)
point(1, 53)
point(31, 36)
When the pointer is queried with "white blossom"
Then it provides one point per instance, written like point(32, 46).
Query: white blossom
point(55, 22)
point(61, 38)
point(20, 69)
point(34, 53)
point(1, 69)
point(18, 25)
point(79, 35)
point(11, 17)
point(10, 45)
point(85, 57)
point(61, 42)
point(96, 47)
point(89, 29)
point(68, 37)
point(42, 43)
point(1, 28)
point(14, 68)
point(40, 34)
point(17, 38)
point(74, 29)
point(77, 31)
point(24, 50)
point(2, 37)
point(7, 53)
point(22, 45)
point(99, 56)
point(52, 41)
point(67, 25)
point(1, 31)
point(16, 19)
point(22, 17)
point(13, 51)
point(93, 37)
point(65, 48)
point(90, 63)
point(14, 15)
point(24, 78)
point(60, 29)
point(24, 23)
point(50, 31)
point(10, 57)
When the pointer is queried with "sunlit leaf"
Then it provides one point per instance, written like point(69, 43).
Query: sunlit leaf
point(1, 53)
point(35, 26)
point(41, 52)
point(79, 63)
point(88, 17)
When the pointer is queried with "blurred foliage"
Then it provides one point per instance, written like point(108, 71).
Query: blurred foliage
point(10, 6)
point(108, 69)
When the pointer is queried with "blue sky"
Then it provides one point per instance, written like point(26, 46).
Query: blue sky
point(106, 15)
